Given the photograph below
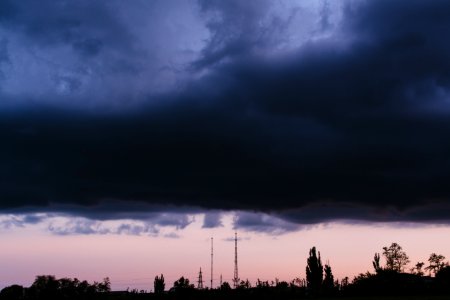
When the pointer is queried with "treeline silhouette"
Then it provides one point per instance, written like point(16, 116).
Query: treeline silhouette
point(48, 287)
point(390, 279)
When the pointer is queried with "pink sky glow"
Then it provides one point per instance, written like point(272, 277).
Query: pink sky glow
point(134, 260)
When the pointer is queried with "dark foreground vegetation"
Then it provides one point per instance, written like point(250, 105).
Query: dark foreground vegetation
point(389, 281)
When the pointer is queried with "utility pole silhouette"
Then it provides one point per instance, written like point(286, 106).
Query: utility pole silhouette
point(220, 280)
point(200, 280)
point(212, 261)
point(236, 275)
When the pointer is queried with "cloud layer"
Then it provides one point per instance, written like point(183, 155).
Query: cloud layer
point(257, 112)
point(160, 224)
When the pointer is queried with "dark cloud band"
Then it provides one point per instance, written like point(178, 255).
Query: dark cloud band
point(358, 119)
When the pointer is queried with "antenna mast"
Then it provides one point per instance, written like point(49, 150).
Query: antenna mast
point(236, 276)
point(212, 255)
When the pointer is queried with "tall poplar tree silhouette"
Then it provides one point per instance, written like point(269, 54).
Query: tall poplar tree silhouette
point(159, 284)
point(328, 281)
point(314, 271)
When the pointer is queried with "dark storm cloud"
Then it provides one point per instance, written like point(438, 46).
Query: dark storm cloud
point(358, 119)
point(323, 212)
point(7, 9)
point(4, 57)
point(161, 216)
point(235, 26)
point(83, 25)
point(92, 54)
point(240, 29)
point(325, 14)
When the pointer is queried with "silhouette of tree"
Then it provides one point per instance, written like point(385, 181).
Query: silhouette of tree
point(281, 285)
point(104, 286)
point(262, 284)
point(376, 263)
point(328, 281)
point(396, 258)
point(225, 286)
point(443, 276)
point(182, 284)
point(244, 284)
point(83, 287)
point(159, 284)
point(45, 287)
point(436, 263)
point(417, 269)
point(68, 288)
point(48, 287)
point(344, 283)
point(314, 271)
point(298, 282)
point(13, 292)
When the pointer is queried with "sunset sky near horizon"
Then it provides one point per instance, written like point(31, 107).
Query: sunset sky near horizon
point(133, 260)
point(134, 131)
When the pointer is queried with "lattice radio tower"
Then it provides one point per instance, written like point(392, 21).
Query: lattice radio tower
point(236, 275)
point(200, 280)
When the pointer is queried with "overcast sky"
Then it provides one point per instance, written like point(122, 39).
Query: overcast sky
point(266, 106)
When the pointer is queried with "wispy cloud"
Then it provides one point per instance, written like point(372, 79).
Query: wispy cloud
point(10, 221)
point(63, 224)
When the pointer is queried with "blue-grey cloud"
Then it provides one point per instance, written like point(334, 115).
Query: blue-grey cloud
point(74, 224)
point(78, 227)
point(69, 225)
point(212, 220)
point(239, 238)
point(91, 54)
point(22, 220)
point(172, 235)
point(264, 223)
point(4, 57)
